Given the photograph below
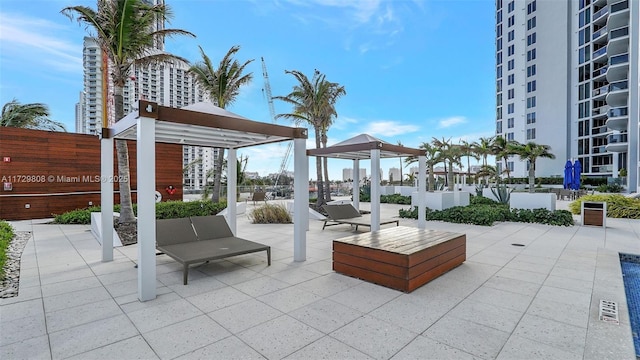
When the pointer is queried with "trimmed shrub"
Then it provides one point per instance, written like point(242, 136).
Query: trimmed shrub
point(270, 214)
point(6, 235)
point(395, 199)
point(481, 200)
point(618, 206)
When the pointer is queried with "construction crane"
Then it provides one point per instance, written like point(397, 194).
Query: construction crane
point(272, 112)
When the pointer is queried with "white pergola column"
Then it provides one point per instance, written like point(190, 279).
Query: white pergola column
point(300, 200)
point(146, 163)
point(356, 184)
point(422, 192)
point(106, 197)
point(375, 190)
point(616, 166)
point(232, 176)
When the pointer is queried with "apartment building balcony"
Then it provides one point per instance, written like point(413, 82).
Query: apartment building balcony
point(600, 16)
point(600, 93)
point(602, 169)
point(600, 73)
point(600, 112)
point(599, 149)
point(600, 55)
point(618, 94)
point(618, 118)
point(618, 14)
point(600, 36)
point(620, 43)
point(617, 143)
point(599, 3)
point(600, 130)
point(618, 68)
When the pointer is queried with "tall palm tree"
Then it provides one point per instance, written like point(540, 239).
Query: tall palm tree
point(28, 116)
point(468, 151)
point(223, 86)
point(400, 144)
point(448, 153)
point(314, 102)
point(124, 29)
point(482, 148)
point(502, 149)
point(531, 152)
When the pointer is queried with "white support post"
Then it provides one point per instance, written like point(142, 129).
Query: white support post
point(300, 200)
point(106, 197)
point(232, 176)
point(146, 163)
point(375, 190)
point(422, 185)
point(356, 184)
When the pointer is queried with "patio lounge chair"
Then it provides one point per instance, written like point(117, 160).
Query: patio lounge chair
point(200, 239)
point(258, 196)
point(347, 214)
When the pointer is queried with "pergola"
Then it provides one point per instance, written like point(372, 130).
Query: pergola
point(365, 146)
point(201, 124)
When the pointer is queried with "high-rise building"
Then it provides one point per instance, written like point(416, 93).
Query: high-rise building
point(347, 174)
point(168, 84)
point(566, 76)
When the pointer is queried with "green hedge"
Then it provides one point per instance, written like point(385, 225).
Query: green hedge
point(6, 235)
point(618, 206)
point(487, 214)
point(164, 210)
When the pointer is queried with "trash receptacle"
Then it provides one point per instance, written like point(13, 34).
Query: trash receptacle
point(594, 213)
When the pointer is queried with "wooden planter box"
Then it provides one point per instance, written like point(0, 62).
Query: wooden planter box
point(400, 258)
point(594, 213)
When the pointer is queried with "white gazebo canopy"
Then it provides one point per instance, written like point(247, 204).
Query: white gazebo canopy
point(200, 124)
point(365, 146)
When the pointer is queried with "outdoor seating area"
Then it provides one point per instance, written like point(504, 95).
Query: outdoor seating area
point(341, 214)
point(504, 302)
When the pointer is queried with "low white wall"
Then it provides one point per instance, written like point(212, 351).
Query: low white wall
point(461, 198)
point(96, 229)
point(532, 201)
point(405, 190)
point(435, 200)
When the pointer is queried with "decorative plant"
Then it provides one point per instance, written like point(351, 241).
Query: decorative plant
point(502, 192)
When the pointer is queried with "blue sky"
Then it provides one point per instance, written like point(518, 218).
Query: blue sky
point(412, 69)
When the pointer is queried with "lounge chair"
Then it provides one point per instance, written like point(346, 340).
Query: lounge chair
point(347, 214)
point(258, 196)
point(200, 239)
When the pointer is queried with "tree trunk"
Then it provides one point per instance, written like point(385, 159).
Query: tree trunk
point(400, 172)
point(327, 183)
point(320, 183)
point(432, 179)
point(217, 176)
point(532, 177)
point(122, 150)
point(450, 176)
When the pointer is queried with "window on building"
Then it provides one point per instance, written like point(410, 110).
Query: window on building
point(510, 163)
point(584, 91)
point(511, 94)
point(531, 118)
point(511, 50)
point(531, 102)
point(499, 71)
point(511, 35)
point(510, 108)
point(499, 113)
point(531, 7)
point(498, 4)
point(531, 23)
point(510, 79)
point(512, 6)
point(511, 21)
point(498, 127)
point(584, 72)
point(499, 30)
point(499, 99)
point(498, 85)
point(499, 44)
point(499, 58)
point(531, 55)
point(510, 136)
point(531, 70)
point(511, 64)
point(499, 17)
point(531, 134)
point(510, 123)
point(531, 86)
point(531, 39)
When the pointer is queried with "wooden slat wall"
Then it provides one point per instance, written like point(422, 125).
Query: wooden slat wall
point(73, 157)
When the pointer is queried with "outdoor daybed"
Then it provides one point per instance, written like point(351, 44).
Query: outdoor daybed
point(347, 214)
point(202, 238)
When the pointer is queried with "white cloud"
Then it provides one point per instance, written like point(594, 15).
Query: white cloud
point(451, 121)
point(390, 128)
point(30, 40)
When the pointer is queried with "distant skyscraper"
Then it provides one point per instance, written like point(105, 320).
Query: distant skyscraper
point(347, 174)
point(566, 76)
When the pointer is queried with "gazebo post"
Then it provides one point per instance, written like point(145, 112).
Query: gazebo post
point(300, 200)
point(422, 184)
point(106, 195)
point(356, 184)
point(146, 164)
point(232, 176)
point(375, 189)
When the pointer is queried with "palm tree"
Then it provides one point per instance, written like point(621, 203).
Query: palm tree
point(28, 116)
point(468, 151)
point(502, 149)
point(531, 152)
point(432, 157)
point(448, 153)
point(125, 31)
point(400, 144)
point(314, 102)
point(482, 148)
point(223, 86)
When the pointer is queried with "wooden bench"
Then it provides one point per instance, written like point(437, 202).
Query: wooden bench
point(202, 238)
point(400, 258)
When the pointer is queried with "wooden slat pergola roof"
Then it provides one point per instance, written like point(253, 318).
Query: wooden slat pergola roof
point(359, 148)
point(203, 124)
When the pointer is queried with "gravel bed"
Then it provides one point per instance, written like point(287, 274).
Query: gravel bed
point(9, 287)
